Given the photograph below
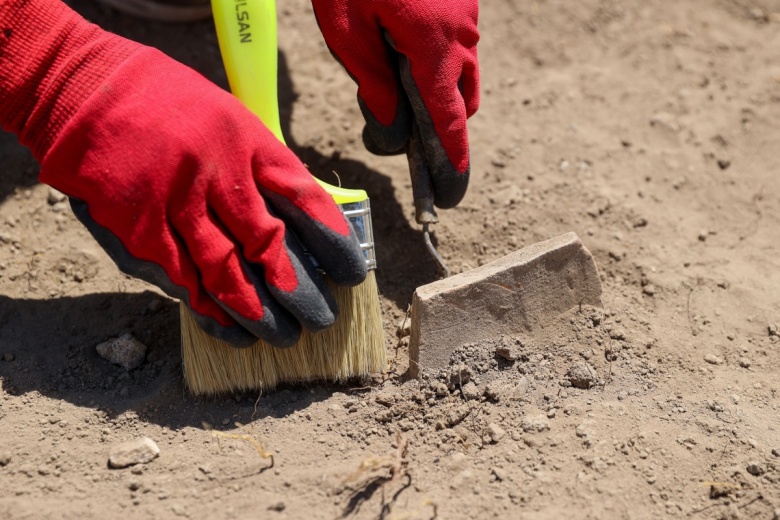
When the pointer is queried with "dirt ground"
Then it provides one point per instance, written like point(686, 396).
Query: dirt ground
point(650, 128)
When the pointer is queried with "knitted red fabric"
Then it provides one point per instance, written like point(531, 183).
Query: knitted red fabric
point(51, 60)
point(440, 39)
point(173, 175)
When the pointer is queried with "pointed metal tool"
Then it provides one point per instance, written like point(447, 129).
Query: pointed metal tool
point(422, 192)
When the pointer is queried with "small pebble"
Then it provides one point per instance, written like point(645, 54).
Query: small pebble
point(755, 469)
point(139, 451)
point(493, 391)
point(55, 196)
point(460, 375)
point(499, 473)
point(495, 432)
point(745, 362)
point(582, 375)
point(440, 389)
point(535, 423)
point(385, 399)
point(5, 458)
point(471, 391)
point(278, 506)
point(712, 359)
point(8, 356)
point(125, 351)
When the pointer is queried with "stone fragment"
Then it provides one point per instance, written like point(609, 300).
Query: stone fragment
point(745, 362)
point(712, 359)
point(755, 469)
point(124, 350)
point(495, 432)
point(139, 451)
point(518, 293)
point(5, 458)
point(508, 353)
point(582, 375)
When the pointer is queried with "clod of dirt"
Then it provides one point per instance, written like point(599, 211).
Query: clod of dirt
point(460, 375)
point(776, 452)
point(456, 416)
point(755, 469)
point(8, 356)
point(139, 451)
point(745, 362)
point(712, 359)
point(471, 391)
point(385, 399)
point(5, 459)
point(124, 350)
point(720, 489)
point(440, 389)
point(584, 430)
point(582, 375)
point(535, 424)
point(495, 433)
point(493, 391)
point(278, 507)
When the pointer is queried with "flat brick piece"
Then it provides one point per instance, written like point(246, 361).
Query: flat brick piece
point(513, 295)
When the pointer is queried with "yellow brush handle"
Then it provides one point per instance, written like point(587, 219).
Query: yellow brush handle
point(246, 30)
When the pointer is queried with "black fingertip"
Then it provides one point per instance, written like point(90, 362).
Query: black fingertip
point(388, 140)
point(311, 303)
point(276, 328)
point(373, 147)
point(348, 267)
point(449, 186)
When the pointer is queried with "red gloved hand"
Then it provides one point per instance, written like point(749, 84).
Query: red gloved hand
point(437, 43)
point(181, 184)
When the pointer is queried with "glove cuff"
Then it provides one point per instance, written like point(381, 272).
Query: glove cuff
point(51, 61)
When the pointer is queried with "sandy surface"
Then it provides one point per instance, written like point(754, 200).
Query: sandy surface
point(650, 128)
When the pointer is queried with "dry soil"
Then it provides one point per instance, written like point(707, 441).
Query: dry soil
point(649, 127)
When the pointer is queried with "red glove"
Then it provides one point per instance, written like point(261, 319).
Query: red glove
point(182, 185)
point(437, 41)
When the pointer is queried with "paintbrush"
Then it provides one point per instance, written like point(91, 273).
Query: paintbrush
point(354, 346)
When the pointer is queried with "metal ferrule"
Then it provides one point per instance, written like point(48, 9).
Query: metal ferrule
point(359, 214)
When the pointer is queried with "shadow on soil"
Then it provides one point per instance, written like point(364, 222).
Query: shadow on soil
point(52, 343)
